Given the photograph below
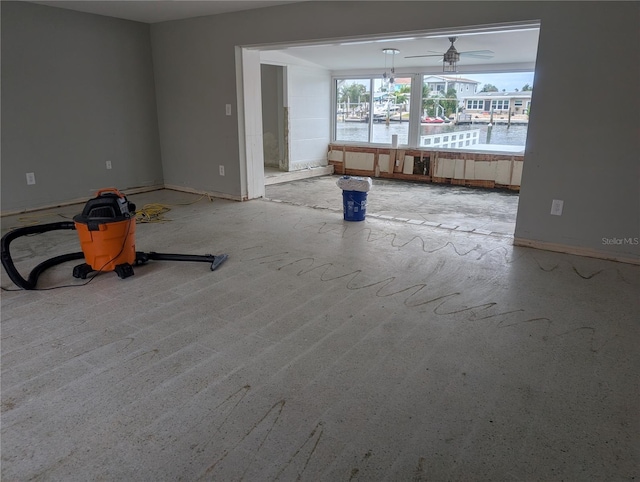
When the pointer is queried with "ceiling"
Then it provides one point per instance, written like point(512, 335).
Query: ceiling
point(153, 11)
point(514, 47)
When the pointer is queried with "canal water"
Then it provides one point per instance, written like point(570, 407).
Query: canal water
point(514, 135)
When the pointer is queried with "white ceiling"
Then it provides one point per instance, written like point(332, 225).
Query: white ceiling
point(514, 48)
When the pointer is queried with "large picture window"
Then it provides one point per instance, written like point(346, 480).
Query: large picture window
point(363, 117)
point(353, 103)
point(370, 110)
point(391, 111)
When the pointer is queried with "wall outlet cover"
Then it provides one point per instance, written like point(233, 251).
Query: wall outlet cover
point(556, 207)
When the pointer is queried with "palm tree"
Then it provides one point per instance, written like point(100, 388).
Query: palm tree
point(401, 94)
point(489, 88)
point(451, 103)
point(428, 102)
point(352, 93)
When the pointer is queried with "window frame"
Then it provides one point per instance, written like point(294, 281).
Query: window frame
point(415, 103)
point(334, 103)
point(475, 104)
point(415, 106)
point(500, 104)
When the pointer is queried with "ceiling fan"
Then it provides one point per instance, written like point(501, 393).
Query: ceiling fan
point(451, 57)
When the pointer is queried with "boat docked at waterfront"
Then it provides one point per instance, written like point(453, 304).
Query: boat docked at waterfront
point(434, 120)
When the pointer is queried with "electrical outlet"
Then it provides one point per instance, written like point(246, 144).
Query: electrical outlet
point(31, 178)
point(556, 207)
point(108, 164)
point(227, 109)
point(221, 169)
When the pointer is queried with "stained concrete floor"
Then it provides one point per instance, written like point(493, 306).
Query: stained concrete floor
point(486, 211)
point(321, 350)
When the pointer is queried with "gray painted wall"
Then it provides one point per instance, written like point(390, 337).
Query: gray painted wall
point(194, 65)
point(77, 90)
point(583, 145)
point(591, 165)
point(66, 106)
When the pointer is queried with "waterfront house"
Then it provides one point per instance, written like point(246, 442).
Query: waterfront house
point(501, 102)
point(442, 83)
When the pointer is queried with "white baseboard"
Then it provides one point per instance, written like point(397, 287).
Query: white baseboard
point(219, 195)
point(71, 202)
point(126, 192)
point(575, 250)
point(297, 175)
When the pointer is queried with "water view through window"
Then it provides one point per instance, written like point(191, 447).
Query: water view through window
point(501, 134)
point(389, 107)
point(452, 113)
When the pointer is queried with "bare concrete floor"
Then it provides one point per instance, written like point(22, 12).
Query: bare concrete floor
point(321, 350)
point(486, 211)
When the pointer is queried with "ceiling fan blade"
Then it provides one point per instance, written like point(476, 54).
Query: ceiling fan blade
point(427, 55)
point(477, 52)
point(474, 56)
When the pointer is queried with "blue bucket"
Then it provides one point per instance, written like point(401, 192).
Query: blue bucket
point(354, 205)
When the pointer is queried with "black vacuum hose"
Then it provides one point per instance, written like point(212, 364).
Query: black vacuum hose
point(7, 262)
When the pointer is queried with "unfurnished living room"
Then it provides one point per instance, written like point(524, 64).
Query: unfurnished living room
point(306, 346)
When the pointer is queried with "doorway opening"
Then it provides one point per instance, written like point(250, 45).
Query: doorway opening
point(298, 104)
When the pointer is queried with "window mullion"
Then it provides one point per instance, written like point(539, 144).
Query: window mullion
point(415, 110)
point(371, 84)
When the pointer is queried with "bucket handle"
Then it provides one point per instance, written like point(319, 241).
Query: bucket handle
point(109, 189)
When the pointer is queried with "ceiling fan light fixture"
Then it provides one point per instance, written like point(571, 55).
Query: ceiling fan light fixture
point(449, 67)
point(450, 58)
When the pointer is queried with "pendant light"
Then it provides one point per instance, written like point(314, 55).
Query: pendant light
point(391, 76)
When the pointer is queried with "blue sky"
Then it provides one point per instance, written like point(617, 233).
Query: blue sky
point(509, 82)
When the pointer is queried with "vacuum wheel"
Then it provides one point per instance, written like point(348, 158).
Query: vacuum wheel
point(82, 270)
point(124, 270)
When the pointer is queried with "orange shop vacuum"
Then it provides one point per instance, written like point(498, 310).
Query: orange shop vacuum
point(106, 229)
